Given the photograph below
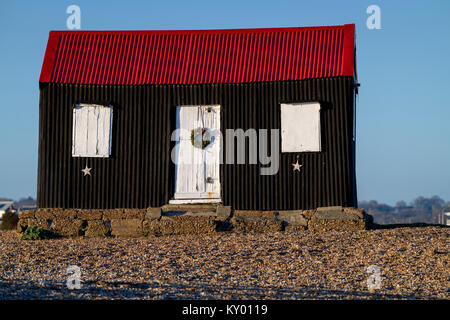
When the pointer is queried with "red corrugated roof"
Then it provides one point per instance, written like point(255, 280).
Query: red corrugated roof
point(198, 56)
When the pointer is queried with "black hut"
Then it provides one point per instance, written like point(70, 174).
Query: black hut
point(111, 101)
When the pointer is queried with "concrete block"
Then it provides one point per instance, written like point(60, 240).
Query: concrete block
point(254, 214)
point(292, 217)
point(223, 212)
point(135, 213)
point(153, 213)
point(96, 228)
point(89, 214)
point(66, 213)
point(67, 227)
point(27, 214)
point(126, 227)
point(255, 224)
point(111, 214)
point(45, 213)
point(334, 213)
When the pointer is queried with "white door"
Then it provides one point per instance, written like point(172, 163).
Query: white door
point(197, 166)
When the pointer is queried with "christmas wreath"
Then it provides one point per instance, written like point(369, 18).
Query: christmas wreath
point(200, 138)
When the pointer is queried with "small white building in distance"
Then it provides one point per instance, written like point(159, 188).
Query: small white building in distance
point(445, 218)
point(4, 207)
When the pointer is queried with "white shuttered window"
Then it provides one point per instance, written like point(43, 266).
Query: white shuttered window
point(92, 124)
point(300, 127)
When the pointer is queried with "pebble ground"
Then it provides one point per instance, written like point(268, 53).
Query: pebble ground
point(413, 264)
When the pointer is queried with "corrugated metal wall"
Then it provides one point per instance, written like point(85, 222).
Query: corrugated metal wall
point(139, 172)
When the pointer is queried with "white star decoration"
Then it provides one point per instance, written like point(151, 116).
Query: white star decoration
point(87, 171)
point(297, 166)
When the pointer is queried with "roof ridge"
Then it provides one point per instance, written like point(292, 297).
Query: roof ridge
point(202, 31)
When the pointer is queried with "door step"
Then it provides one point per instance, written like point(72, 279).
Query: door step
point(197, 210)
point(194, 201)
point(203, 207)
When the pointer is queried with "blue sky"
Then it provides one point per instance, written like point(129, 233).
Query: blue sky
point(403, 111)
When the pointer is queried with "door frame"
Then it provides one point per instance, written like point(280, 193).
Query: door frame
point(194, 200)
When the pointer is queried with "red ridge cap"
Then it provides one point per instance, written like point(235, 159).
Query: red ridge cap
point(200, 31)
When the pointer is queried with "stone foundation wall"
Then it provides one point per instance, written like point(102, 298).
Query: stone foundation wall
point(194, 219)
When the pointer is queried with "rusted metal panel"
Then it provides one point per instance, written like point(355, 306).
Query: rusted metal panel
point(139, 172)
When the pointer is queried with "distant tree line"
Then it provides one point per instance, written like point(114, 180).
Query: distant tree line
point(25, 202)
point(421, 209)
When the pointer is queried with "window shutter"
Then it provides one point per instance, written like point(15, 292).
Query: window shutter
point(92, 130)
point(300, 127)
